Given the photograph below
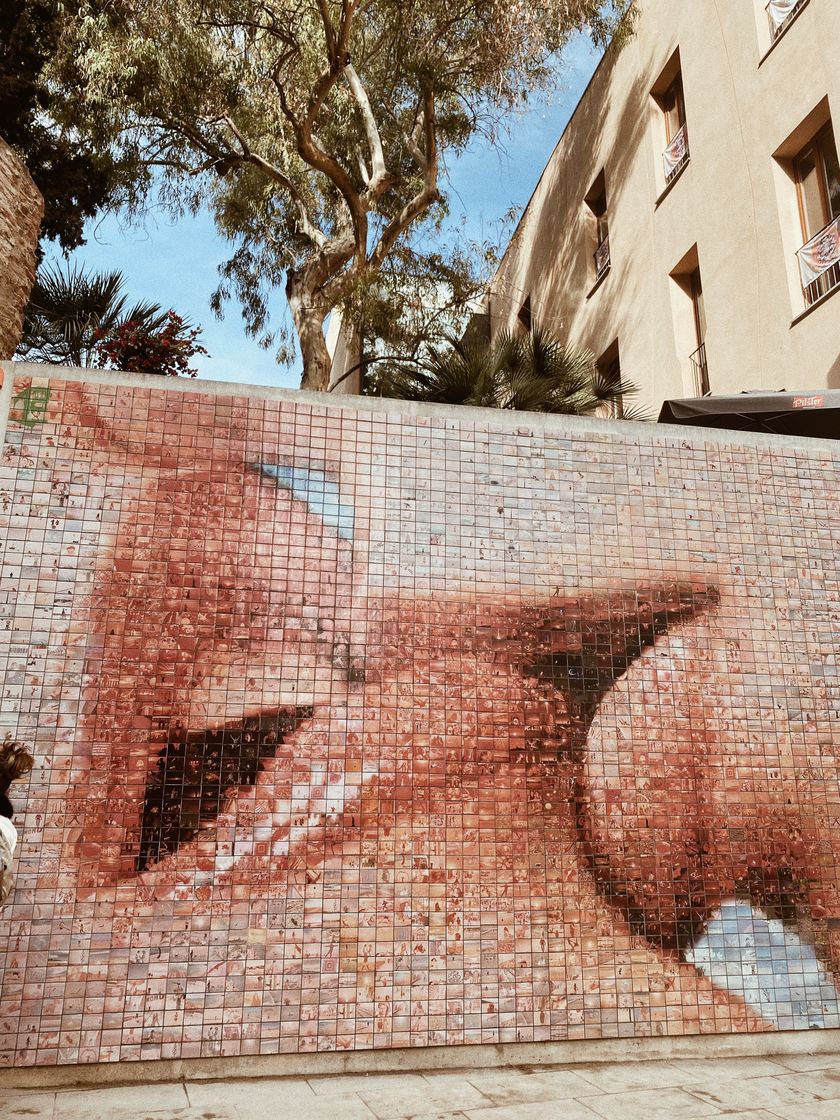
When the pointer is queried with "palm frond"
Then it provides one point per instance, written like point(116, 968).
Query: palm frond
point(533, 372)
point(68, 306)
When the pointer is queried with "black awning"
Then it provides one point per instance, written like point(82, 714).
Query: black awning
point(813, 413)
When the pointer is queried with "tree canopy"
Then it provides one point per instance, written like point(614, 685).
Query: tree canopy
point(73, 174)
point(314, 129)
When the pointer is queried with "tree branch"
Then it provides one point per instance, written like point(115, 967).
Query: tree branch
point(378, 177)
point(428, 193)
point(305, 223)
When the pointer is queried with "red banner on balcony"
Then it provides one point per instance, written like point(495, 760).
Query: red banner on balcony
point(676, 153)
point(820, 254)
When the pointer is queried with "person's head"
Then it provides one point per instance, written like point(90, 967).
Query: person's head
point(15, 761)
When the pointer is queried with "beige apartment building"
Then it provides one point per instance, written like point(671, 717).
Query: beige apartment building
point(687, 226)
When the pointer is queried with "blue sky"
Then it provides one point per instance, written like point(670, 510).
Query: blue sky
point(175, 264)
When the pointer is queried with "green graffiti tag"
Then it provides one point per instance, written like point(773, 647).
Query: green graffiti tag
point(30, 406)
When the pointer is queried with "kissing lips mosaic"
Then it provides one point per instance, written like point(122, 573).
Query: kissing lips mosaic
point(363, 729)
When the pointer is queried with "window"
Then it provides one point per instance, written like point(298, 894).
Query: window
point(689, 307)
point(596, 200)
point(816, 173)
point(675, 155)
point(608, 367)
point(523, 316)
point(669, 97)
point(780, 13)
point(698, 357)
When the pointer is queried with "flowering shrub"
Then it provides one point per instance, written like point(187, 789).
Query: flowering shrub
point(134, 347)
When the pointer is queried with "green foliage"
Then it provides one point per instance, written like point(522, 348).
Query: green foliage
point(73, 315)
point(75, 177)
point(535, 372)
point(313, 129)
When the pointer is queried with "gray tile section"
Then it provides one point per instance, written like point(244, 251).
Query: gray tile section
point(769, 965)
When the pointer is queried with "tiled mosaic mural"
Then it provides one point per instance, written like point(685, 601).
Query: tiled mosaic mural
point(360, 730)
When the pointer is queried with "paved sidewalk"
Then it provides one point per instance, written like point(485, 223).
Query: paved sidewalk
point(791, 1087)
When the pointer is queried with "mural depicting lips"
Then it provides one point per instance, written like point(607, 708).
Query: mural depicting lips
point(363, 729)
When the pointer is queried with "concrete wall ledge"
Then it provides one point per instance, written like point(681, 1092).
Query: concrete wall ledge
point(419, 1059)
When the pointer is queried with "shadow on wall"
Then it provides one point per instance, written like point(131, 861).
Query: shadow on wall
point(551, 260)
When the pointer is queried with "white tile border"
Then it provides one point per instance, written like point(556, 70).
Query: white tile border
point(620, 431)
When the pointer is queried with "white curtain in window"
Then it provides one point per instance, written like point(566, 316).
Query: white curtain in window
point(781, 10)
point(602, 256)
point(676, 152)
point(820, 253)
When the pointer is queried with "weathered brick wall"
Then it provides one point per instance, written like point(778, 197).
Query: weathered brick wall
point(21, 210)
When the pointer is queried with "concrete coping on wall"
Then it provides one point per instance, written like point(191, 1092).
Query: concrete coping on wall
point(623, 431)
point(421, 1058)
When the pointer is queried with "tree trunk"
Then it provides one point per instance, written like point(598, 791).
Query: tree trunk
point(308, 318)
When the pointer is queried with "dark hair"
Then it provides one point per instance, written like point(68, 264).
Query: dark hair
point(15, 761)
point(6, 807)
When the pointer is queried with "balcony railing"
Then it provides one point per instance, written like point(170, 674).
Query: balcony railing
point(779, 15)
point(602, 257)
point(700, 370)
point(675, 155)
point(819, 262)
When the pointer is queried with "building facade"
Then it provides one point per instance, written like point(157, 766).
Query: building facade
point(686, 228)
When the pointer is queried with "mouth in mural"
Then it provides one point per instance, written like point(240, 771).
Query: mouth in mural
point(196, 772)
point(581, 647)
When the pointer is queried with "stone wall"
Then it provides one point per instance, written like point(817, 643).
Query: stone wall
point(21, 210)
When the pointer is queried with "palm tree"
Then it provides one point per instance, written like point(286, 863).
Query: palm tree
point(66, 310)
point(535, 372)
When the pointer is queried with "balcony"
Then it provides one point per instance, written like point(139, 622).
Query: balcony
point(779, 15)
point(675, 156)
point(700, 371)
point(819, 262)
point(602, 258)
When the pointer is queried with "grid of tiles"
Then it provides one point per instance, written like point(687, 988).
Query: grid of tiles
point(357, 729)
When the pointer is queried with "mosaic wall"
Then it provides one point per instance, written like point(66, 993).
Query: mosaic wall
point(357, 729)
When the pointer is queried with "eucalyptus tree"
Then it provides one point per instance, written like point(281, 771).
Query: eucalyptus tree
point(316, 130)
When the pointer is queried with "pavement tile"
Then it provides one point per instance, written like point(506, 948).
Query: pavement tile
point(806, 1110)
point(803, 1063)
point(340, 1084)
point(628, 1077)
point(284, 1097)
point(515, 1086)
point(446, 1081)
point(445, 1115)
point(726, 1068)
point(535, 1110)
point(758, 1092)
point(651, 1104)
point(133, 1102)
point(23, 1104)
point(91, 1111)
point(292, 1093)
point(823, 1083)
point(753, 1114)
point(400, 1102)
